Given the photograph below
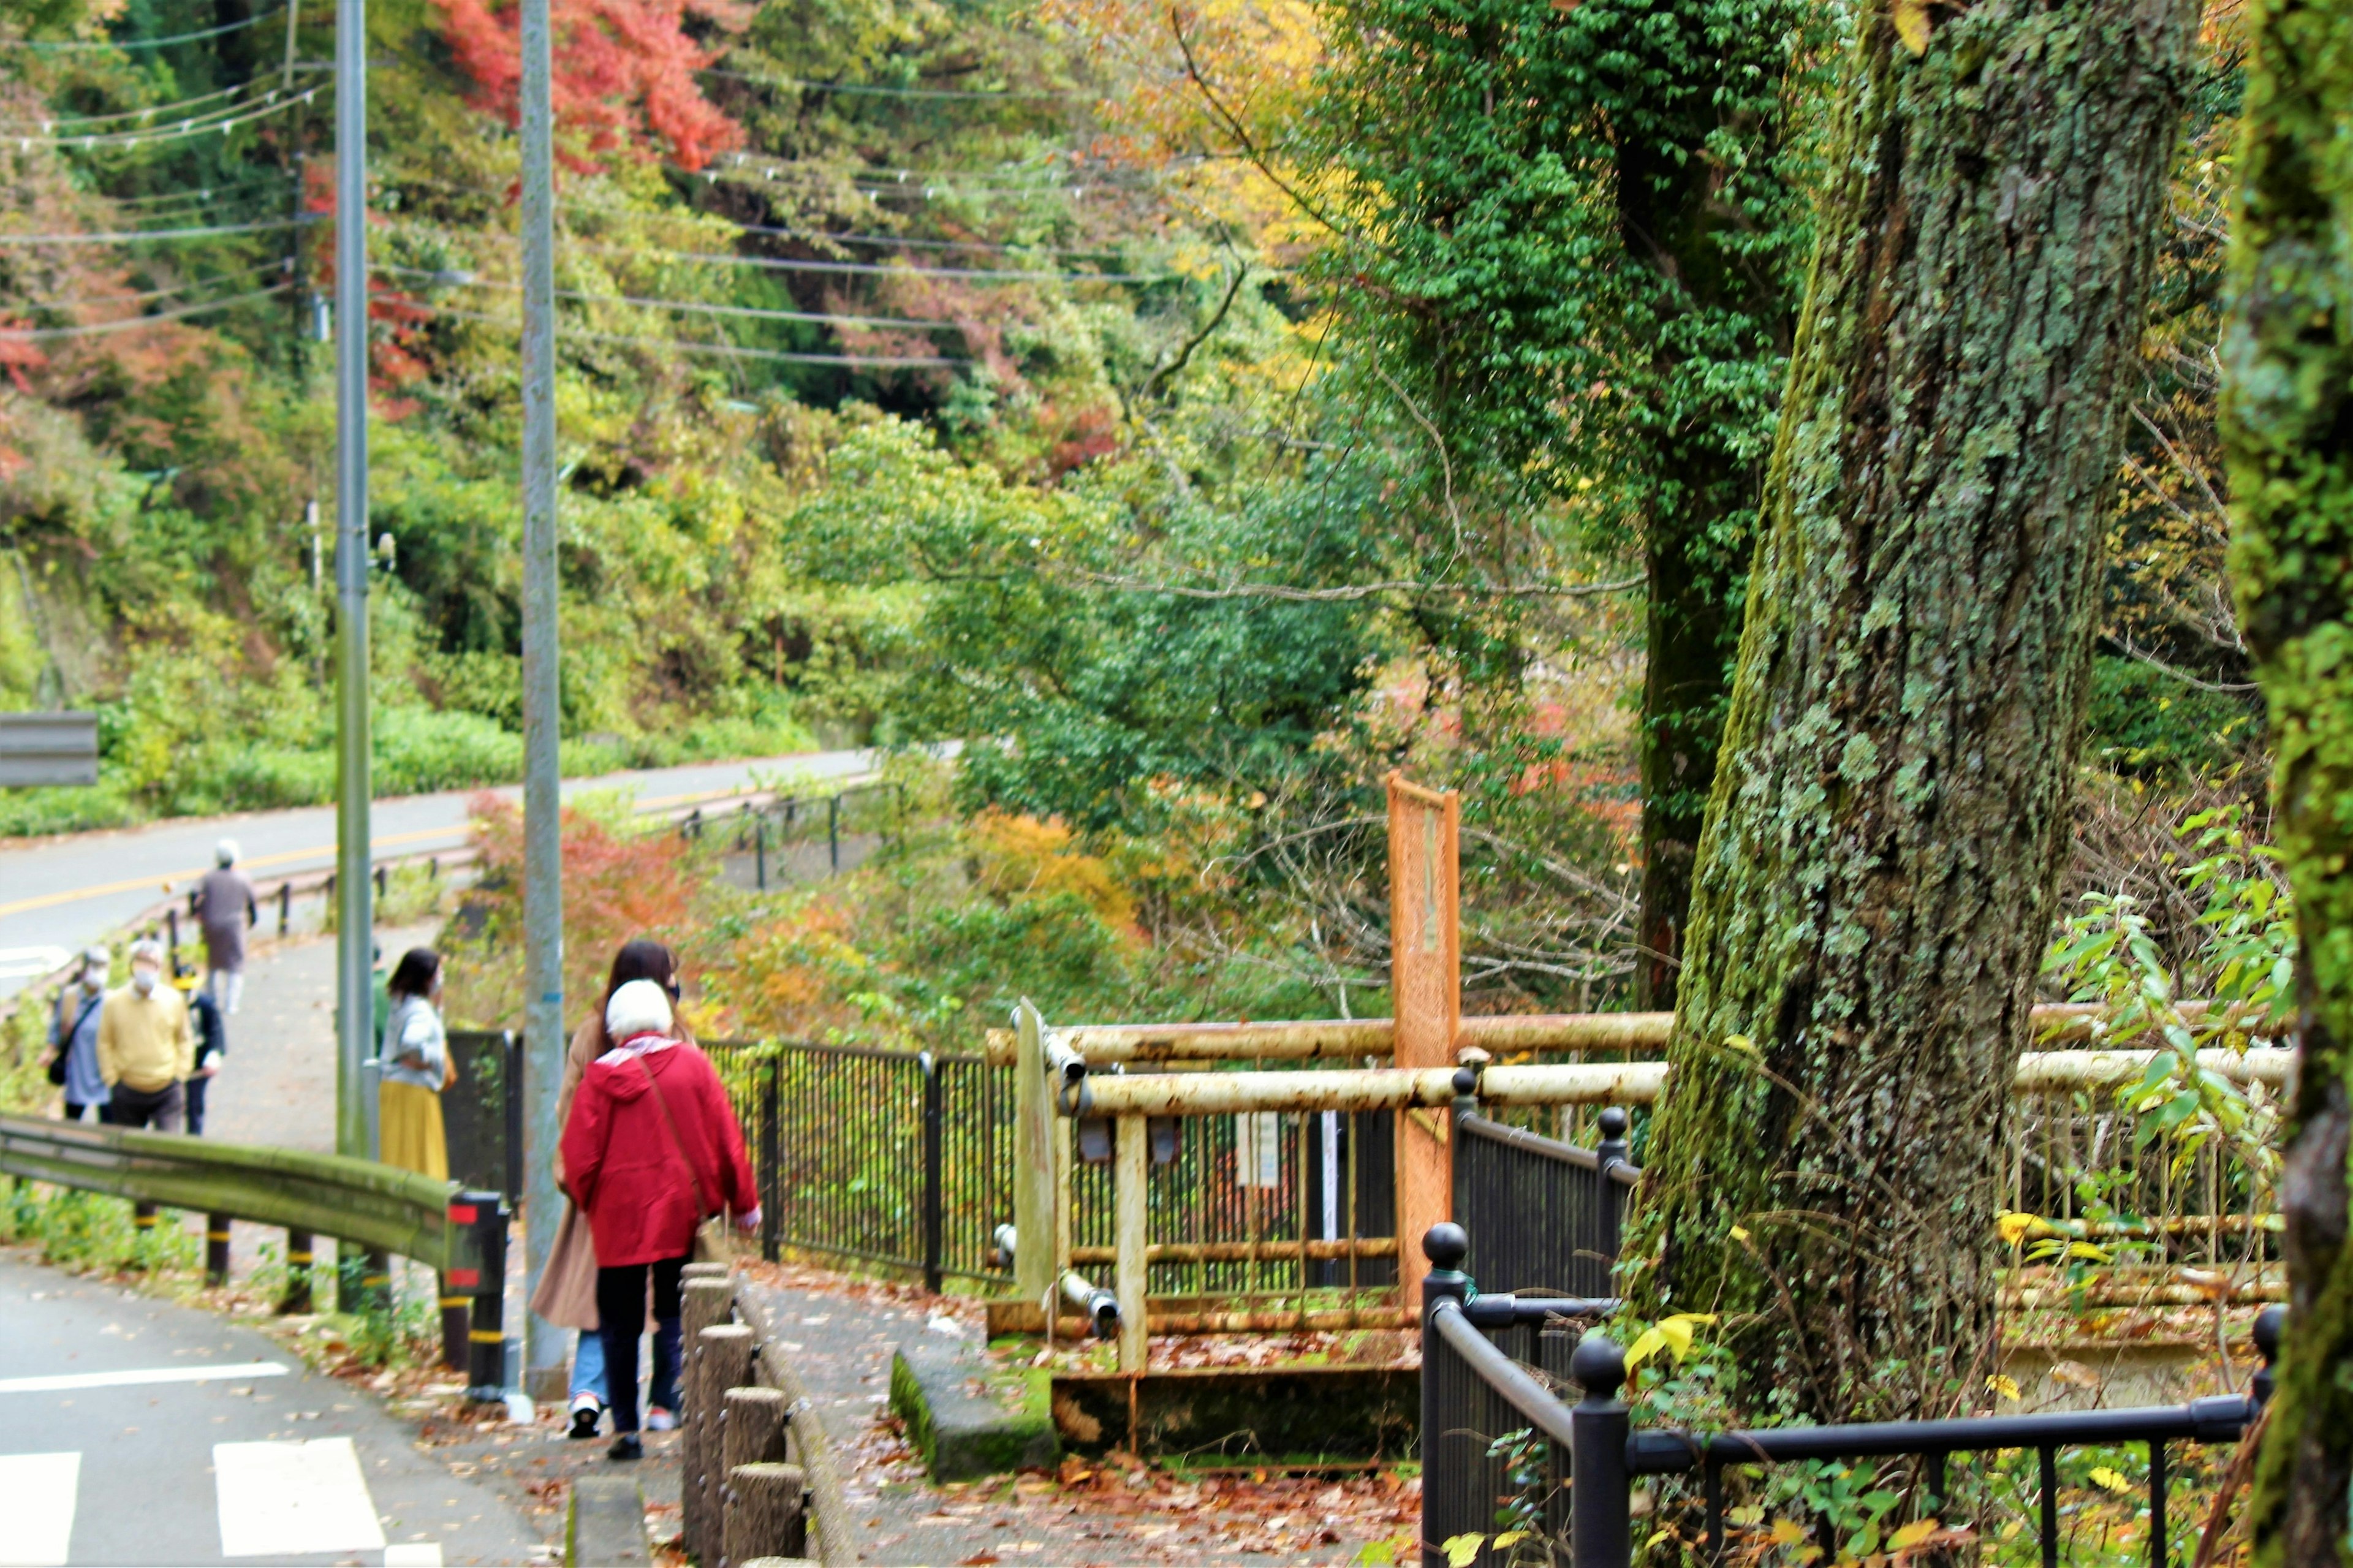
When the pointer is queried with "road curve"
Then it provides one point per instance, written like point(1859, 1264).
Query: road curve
point(68, 891)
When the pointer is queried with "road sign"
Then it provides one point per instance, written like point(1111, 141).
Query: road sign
point(48, 749)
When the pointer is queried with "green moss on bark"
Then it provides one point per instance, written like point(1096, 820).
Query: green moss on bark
point(1877, 875)
point(2288, 435)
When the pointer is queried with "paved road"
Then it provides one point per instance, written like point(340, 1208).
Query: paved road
point(132, 1461)
point(66, 892)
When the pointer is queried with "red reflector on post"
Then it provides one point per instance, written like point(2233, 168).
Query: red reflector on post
point(462, 1214)
point(465, 1278)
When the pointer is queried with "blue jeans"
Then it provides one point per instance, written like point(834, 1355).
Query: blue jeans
point(588, 1368)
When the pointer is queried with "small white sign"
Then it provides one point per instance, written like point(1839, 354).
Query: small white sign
point(1258, 1149)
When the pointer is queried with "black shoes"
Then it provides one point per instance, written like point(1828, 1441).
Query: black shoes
point(625, 1446)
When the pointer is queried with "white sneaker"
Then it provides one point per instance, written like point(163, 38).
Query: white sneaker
point(660, 1420)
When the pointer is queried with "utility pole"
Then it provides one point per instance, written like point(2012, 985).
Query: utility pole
point(545, 1347)
point(354, 906)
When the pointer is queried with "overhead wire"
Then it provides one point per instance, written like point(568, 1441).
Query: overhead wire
point(45, 126)
point(136, 236)
point(43, 45)
point(275, 102)
point(892, 362)
point(42, 334)
point(23, 306)
point(865, 90)
point(696, 307)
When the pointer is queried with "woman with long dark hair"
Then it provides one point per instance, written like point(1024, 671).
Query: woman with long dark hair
point(416, 1055)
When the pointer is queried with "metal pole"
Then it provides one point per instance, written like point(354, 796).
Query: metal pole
point(546, 1346)
point(934, 1154)
point(354, 912)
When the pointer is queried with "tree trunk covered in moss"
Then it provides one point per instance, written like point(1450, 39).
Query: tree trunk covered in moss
point(2288, 432)
point(1876, 879)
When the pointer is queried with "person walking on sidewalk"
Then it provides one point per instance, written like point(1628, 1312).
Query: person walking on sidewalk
point(415, 1055)
point(227, 908)
point(212, 1044)
point(652, 1149)
point(146, 1047)
point(566, 1296)
point(73, 1037)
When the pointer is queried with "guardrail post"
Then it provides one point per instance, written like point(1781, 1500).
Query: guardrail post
point(1133, 1272)
point(833, 829)
point(484, 1215)
point(285, 907)
point(297, 1297)
point(1601, 1503)
point(770, 1177)
point(171, 937)
point(216, 1249)
point(457, 1324)
point(935, 1136)
point(760, 853)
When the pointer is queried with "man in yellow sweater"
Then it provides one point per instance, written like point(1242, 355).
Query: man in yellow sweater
point(146, 1045)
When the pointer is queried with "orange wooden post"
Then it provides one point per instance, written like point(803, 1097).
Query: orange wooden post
point(1426, 990)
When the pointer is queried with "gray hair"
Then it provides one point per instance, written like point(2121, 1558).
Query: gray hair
point(225, 853)
point(147, 947)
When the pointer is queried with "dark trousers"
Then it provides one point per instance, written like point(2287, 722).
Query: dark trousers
point(160, 1109)
point(74, 1109)
point(196, 1088)
point(621, 1314)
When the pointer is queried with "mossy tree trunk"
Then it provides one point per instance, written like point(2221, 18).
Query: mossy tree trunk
point(1877, 876)
point(2288, 433)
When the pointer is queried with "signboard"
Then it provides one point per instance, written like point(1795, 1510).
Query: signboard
point(1426, 988)
point(48, 749)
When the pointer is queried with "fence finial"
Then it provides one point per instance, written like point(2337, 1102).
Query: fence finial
point(1611, 1150)
point(2268, 1324)
point(1446, 1245)
point(1598, 1366)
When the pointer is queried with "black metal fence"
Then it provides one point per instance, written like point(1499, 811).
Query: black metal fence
point(1543, 1214)
point(902, 1159)
point(1500, 1448)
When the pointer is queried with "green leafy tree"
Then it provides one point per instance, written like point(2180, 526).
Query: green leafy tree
point(1572, 247)
point(1879, 870)
point(2288, 432)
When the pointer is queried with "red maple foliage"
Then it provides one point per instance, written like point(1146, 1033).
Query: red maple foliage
point(624, 72)
point(618, 885)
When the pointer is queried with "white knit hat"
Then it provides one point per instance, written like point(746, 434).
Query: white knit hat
point(225, 853)
point(638, 1008)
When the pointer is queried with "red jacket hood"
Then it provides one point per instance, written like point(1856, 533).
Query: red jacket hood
point(618, 1069)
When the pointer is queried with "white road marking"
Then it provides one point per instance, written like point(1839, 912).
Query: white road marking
point(280, 1499)
point(413, 1554)
point(134, 1377)
point(37, 1499)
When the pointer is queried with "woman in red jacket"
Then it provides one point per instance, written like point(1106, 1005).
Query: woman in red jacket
point(652, 1150)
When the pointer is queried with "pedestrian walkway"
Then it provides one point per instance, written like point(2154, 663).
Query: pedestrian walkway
point(139, 1432)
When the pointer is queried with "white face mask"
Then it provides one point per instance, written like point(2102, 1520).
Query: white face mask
point(94, 977)
point(144, 979)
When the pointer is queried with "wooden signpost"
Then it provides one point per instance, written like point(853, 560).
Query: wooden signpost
point(1426, 990)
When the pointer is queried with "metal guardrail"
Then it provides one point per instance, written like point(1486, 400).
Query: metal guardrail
point(371, 1206)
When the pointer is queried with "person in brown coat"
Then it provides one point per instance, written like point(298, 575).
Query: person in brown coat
point(567, 1289)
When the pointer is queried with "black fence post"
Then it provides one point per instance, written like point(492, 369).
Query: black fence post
point(760, 853)
point(216, 1249)
point(833, 829)
point(770, 1181)
point(1601, 1503)
point(510, 1108)
point(285, 907)
point(485, 1215)
point(935, 1136)
point(1442, 1289)
point(171, 937)
point(1610, 1195)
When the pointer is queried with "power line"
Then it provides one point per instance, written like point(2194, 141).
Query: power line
point(790, 264)
point(38, 334)
point(863, 90)
point(74, 45)
point(137, 235)
point(890, 362)
point(223, 122)
point(45, 126)
point(697, 307)
point(145, 294)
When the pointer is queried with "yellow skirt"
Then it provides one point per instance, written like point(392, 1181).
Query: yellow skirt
point(410, 1129)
